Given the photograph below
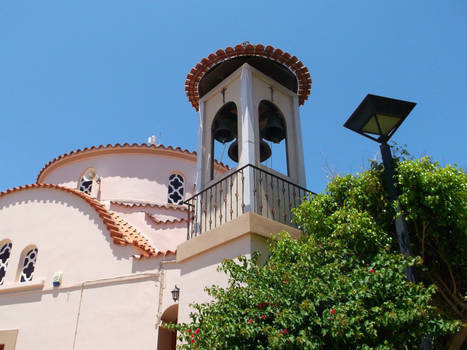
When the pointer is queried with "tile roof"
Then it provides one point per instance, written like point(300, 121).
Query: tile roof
point(149, 205)
point(168, 221)
point(121, 232)
point(126, 147)
point(241, 50)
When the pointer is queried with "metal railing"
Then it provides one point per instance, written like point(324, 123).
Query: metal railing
point(265, 194)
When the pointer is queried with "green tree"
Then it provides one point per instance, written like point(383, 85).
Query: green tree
point(343, 284)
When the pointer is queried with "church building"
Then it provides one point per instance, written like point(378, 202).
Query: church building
point(112, 242)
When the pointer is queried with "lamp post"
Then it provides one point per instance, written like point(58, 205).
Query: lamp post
point(378, 118)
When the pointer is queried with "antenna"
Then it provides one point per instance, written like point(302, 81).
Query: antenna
point(153, 140)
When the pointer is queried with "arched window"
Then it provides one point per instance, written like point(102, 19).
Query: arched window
point(86, 180)
point(273, 137)
point(176, 189)
point(224, 136)
point(5, 250)
point(29, 263)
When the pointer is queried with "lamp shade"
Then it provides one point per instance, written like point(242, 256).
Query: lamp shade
point(379, 117)
point(175, 293)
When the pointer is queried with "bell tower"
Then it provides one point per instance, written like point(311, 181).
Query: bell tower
point(248, 100)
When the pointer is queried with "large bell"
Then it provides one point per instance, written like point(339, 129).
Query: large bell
point(264, 151)
point(225, 127)
point(274, 130)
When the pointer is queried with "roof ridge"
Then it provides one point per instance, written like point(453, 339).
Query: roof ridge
point(121, 231)
point(151, 205)
point(168, 221)
point(117, 146)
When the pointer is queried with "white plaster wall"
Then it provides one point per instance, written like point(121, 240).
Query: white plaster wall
point(115, 316)
point(68, 232)
point(116, 311)
point(128, 176)
point(162, 236)
point(200, 271)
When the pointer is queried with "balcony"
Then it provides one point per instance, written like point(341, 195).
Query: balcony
point(248, 189)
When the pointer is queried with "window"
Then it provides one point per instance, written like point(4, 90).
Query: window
point(176, 189)
point(28, 265)
point(5, 250)
point(85, 182)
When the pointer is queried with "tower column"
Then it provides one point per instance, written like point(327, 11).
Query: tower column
point(248, 149)
point(299, 157)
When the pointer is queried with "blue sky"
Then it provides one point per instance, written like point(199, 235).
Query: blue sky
point(81, 73)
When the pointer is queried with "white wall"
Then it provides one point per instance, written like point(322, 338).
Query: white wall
point(108, 299)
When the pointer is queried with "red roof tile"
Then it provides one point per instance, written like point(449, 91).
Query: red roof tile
point(291, 62)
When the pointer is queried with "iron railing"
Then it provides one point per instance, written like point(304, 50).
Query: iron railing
point(265, 194)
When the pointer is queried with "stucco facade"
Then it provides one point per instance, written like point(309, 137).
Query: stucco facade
point(115, 249)
point(90, 253)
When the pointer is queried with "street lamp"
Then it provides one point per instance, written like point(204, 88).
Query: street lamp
point(378, 118)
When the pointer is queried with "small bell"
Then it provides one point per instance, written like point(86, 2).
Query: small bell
point(264, 151)
point(274, 130)
point(225, 127)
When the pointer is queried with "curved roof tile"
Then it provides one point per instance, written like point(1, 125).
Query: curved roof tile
point(162, 222)
point(291, 62)
point(149, 205)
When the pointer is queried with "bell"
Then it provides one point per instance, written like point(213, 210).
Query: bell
point(233, 151)
point(274, 129)
point(264, 151)
point(225, 127)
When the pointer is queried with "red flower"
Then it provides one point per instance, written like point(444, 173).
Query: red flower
point(284, 282)
point(197, 331)
point(189, 331)
point(275, 304)
point(192, 340)
point(263, 317)
point(332, 312)
point(372, 271)
point(285, 331)
point(260, 306)
point(331, 318)
point(250, 321)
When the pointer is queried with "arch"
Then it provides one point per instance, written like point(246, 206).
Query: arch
point(273, 128)
point(27, 264)
point(86, 180)
point(167, 338)
point(224, 131)
point(5, 252)
point(176, 188)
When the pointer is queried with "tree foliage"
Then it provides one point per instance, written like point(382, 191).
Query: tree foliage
point(343, 284)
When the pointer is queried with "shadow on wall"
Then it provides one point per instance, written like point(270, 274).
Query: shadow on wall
point(167, 339)
point(49, 217)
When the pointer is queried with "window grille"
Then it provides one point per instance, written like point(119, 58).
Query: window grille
point(176, 189)
point(29, 264)
point(5, 251)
